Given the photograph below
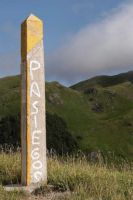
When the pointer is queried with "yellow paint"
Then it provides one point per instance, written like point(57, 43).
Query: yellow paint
point(31, 35)
point(21, 122)
point(34, 32)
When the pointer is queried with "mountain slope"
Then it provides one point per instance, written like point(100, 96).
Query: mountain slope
point(104, 81)
point(98, 112)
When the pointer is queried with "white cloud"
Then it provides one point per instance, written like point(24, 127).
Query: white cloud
point(106, 46)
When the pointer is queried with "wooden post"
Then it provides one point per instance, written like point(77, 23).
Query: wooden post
point(33, 124)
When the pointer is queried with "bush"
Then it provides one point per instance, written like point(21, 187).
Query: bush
point(58, 136)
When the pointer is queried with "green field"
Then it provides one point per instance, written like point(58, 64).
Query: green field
point(98, 111)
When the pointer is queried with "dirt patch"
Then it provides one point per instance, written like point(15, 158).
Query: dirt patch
point(50, 196)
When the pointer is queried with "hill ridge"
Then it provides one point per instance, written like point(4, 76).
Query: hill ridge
point(104, 80)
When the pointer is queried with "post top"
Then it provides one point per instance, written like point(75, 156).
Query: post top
point(31, 33)
point(32, 17)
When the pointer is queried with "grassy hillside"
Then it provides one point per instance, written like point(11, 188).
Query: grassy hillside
point(98, 111)
point(9, 96)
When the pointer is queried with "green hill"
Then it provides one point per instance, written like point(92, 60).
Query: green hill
point(98, 111)
point(104, 81)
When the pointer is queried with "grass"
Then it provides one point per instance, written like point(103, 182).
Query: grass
point(74, 177)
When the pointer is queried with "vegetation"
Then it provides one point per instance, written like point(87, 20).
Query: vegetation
point(10, 129)
point(58, 137)
point(71, 177)
point(98, 113)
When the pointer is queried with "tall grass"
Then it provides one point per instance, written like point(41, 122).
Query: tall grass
point(91, 181)
point(73, 176)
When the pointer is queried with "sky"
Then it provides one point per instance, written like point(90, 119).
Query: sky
point(83, 38)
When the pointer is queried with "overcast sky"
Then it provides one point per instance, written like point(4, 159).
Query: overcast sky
point(83, 38)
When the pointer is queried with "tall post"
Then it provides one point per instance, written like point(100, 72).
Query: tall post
point(33, 125)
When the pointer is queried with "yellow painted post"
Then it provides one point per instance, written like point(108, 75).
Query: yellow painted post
point(33, 122)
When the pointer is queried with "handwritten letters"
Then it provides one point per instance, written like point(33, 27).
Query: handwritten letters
point(35, 92)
